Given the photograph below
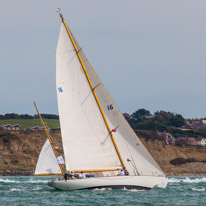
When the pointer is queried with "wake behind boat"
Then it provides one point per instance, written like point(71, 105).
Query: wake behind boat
point(96, 137)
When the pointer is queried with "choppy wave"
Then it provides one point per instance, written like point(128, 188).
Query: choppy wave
point(24, 182)
point(101, 189)
point(135, 190)
point(198, 189)
point(9, 181)
point(36, 181)
point(16, 189)
point(125, 189)
point(187, 180)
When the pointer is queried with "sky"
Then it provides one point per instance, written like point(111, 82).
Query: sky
point(148, 54)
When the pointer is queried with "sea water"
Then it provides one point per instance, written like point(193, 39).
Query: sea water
point(26, 191)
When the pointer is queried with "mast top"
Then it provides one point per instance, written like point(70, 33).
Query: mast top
point(60, 14)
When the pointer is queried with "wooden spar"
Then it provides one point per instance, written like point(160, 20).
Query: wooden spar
point(47, 174)
point(78, 171)
point(50, 140)
point(93, 91)
point(96, 170)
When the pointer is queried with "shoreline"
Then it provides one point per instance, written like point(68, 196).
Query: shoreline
point(20, 151)
point(30, 173)
point(16, 173)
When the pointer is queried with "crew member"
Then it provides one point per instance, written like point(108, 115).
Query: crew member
point(65, 176)
point(121, 173)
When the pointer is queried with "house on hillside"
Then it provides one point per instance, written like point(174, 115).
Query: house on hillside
point(201, 141)
point(36, 128)
point(167, 137)
point(127, 116)
point(150, 116)
point(181, 141)
point(15, 127)
point(191, 141)
point(197, 123)
point(10, 127)
point(6, 127)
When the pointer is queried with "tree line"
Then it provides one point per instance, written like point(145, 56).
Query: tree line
point(27, 116)
point(141, 120)
point(162, 121)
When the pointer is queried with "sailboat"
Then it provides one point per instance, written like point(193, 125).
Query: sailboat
point(97, 140)
point(47, 163)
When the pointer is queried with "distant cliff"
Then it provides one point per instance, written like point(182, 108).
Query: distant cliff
point(19, 152)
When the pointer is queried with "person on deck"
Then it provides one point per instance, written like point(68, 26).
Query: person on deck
point(65, 176)
point(82, 175)
point(121, 173)
point(71, 175)
point(126, 172)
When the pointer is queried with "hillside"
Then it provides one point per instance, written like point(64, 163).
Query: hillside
point(19, 151)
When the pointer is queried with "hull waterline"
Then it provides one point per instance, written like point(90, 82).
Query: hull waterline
point(117, 182)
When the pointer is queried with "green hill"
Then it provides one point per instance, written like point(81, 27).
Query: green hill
point(25, 123)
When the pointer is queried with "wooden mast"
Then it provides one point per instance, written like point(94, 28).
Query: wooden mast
point(50, 140)
point(93, 91)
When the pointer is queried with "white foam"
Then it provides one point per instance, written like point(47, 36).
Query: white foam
point(16, 189)
point(101, 189)
point(28, 181)
point(37, 188)
point(198, 189)
point(9, 181)
point(134, 190)
point(36, 181)
point(174, 180)
point(187, 180)
point(196, 180)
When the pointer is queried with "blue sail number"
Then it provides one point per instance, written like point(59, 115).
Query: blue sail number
point(60, 89)
point(110, 107)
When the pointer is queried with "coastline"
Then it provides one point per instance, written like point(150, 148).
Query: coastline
point(16, 173)
point(19, 151)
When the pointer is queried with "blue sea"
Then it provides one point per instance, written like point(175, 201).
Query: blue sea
point(26, 191)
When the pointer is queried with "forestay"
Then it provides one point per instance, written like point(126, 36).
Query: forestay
point(47, 162)
point(85, 138)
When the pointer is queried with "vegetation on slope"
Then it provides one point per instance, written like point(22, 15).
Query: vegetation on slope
point(163, 121)
point(26, 123)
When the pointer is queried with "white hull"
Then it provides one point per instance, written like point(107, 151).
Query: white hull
point(117, 182)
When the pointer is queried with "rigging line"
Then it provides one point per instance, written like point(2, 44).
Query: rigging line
point(89, 94)
point(96, 86)
point(72, 58)
point(109, 134)
point(86, 98)
point(79, 50)
point(132, 162)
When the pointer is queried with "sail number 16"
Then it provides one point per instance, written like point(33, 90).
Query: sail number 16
point(110, 107)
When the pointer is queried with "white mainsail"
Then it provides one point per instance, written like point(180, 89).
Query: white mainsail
point(47, 162)
point(85, 138)
point(86, 142)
